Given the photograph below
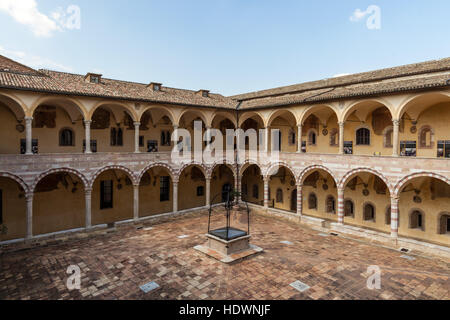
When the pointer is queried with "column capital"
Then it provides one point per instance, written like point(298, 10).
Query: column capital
point(87, 190)
point(299, 185)
point(395, 198)
point(396, 122)
point(341, 123)
point(29, 196)
point(136, 123)
point(87, 122)
point(28, 118)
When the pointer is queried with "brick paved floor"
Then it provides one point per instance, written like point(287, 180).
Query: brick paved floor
point(115, 264)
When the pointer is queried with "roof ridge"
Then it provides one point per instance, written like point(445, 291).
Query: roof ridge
point(267, 92)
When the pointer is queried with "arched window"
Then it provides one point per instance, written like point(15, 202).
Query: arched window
point(369, 212)
point(331, 205)
point(255, 191)
point(387, 137)
point(363, 137)
point(312, 138)
point(116, 137)
point(426, 137)
point(334, 137)
point(292, 138)
point(444, 223)
point(349, 208)
point(66, 137)
point(417, 220)
point(312, 201)
point(279, 196)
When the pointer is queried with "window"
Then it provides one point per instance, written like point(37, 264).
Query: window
point(255, 190)
point(164, 190)
point(444, 224)
point(141, 141)
point(443, 149)
point(408, 148)
point(93, 145)
point(23, 146)
point(331, 205)
point(106, 194)
point(312, 201)
point(304, 146)
point(116, 137)
point(363, 137)
point(416, 220)
point(312, 137)
point(292, 138)
point(66, 138)
point(244, 189)
point(279, 196)
point(200, 191)
point(94, 79)
point(369, 212)
point(349, 208)
point(425, 137)
point(165, 138)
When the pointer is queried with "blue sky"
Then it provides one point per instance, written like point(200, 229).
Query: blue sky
point(228, 47)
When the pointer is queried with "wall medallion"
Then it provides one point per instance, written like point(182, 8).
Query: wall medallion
point(325, 132)
point(413, 129)
point(366, 192)
point(417, 199)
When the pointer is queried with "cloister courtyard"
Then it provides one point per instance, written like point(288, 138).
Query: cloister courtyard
point(114, 263)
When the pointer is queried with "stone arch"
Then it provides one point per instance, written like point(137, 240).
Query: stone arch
point(130, 174)
point(166, 110)
point(250, 114)
point(200, 113)
point(276, 113)
point(215, 165)
point(17, 179)
point(248, 163)
point(403, 182)
point(226, 115)
point(59, 101)
point(195, 164)
point(322, 108)
point(347, 177)
point(271, 170)
point(16, 105)
point(366, 107)
point(169, 169)
point(432, 98)
point(58, 170)
point(105, 104)
point(304, 174)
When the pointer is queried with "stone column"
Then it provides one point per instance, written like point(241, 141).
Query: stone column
point(299, 200)
point(394, 217)
point(175, 196)
point(341, 137)
point(266, 137)
point(266, 192)
point(395, 138)
point(208, 191)
point(29, 200)
point(88, 204)
point(341, 212)
point(28, 135)
point(299, 138)
point(135, 202)
point(237, 188)
point(87, 135)
point(136, 136)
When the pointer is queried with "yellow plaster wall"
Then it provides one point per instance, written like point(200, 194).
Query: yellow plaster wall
point(14, 209)
point(149, 197)
point(187, 192)
point(218, 181)
point(59, 209)
point(122, 200)
point(9, 136)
